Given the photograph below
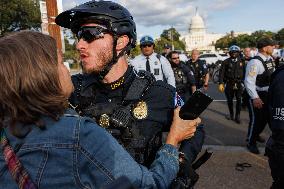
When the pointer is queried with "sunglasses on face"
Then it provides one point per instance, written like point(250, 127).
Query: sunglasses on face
point(174, 58)
point(91, 33)
point(146, 45)
point(235, 52)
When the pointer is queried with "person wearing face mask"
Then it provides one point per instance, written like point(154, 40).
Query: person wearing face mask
point(230, 81)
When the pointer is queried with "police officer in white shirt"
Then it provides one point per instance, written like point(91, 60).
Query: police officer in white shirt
point(150, 61)
point(257, 80)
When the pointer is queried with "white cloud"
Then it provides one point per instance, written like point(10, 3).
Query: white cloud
point(161, 13)
point(222, 4)
point(68, 4)
point(165, 13)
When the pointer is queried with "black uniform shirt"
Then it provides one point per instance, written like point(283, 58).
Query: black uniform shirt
point(276, 106)
point(199, 69)
point(186, 72)
point(231, 70)
point(159, 108)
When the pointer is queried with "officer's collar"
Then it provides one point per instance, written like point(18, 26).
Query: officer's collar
point(197, 60)
point(151, 56)
point(89, 80)
point(121, 81)
point(264, 58)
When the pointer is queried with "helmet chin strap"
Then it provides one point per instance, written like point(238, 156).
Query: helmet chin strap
point(115, 58)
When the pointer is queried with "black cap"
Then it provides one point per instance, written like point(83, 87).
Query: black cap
point(167, 46)
point(265, 41)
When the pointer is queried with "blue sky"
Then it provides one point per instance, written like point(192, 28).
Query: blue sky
point(220, 16)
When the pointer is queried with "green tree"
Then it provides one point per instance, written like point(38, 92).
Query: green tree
point(280, 35)
point(171, 37)
point(70, 50)
point(243, 40)
point(223, 42)
point(135, 51)
point(170, 34)
point(19, 15)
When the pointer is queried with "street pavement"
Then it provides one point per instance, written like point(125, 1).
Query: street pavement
point(227, 141)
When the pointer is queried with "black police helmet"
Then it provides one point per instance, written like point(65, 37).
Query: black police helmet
point(114, 16)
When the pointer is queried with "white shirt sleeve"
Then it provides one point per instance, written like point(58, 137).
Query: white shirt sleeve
point(168, 71)
point(138, 63)
point(252, 70)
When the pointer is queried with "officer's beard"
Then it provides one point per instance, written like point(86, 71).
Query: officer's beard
point(102, 59)
point(174, 65)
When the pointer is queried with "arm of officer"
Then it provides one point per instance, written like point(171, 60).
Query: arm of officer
point(190, 77)
point(206, 73)
point(168, 71)
point(136, 63)
point(222, 72)
point(250, 82)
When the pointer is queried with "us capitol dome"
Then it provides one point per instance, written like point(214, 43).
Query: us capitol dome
point(197, 25)
point(197, 38)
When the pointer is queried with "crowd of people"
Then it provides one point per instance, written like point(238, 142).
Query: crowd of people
point(90, 129)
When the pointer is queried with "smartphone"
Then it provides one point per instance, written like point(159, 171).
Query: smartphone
point(194, 106)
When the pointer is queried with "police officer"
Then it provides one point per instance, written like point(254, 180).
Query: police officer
point(231, 75)
point(245, 98)
point(199, 69)
point(167, 49)
point(133, 107)
point(275, 144)
point(278, 55)
point(257, 79)
point(185, 82)
point(153, 62)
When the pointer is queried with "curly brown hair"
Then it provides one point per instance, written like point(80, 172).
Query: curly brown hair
point(29, 80)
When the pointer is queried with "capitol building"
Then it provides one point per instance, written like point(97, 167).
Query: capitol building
point(198, 38)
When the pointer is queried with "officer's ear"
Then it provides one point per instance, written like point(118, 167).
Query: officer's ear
point(122, 41)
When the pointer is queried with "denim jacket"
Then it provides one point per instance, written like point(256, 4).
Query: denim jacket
point(75, 152)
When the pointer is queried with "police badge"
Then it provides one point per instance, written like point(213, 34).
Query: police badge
point(104, 121)
point(141, 110)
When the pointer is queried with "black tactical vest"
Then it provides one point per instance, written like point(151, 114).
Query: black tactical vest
point(198, 71)
point(234, 71)
point(263, 79)
point(119, 111)
point(180, 78)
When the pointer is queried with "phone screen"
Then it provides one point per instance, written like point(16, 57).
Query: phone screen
point(195, 105)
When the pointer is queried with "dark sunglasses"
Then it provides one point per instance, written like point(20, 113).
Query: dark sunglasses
point(91, 33)
point(146, 45)
point(234, 51)
point(175, 58)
